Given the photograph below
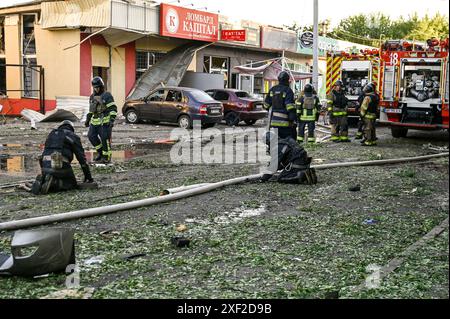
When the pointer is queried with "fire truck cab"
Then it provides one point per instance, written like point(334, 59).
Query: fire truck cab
point(414, 86)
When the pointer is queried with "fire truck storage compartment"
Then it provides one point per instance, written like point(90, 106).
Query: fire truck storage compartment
point(421, 81)
point(416, 114)
point(355, 75)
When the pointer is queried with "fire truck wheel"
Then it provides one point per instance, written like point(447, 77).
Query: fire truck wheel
point(398, 132)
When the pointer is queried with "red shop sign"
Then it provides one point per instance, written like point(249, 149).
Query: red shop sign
point(233, 35)
point(184, 23)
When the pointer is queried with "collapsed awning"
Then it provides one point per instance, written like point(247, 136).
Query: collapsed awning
point(169, 71)
point(117, 37)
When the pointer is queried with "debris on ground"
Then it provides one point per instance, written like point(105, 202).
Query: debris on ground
point(81, 293)
point(96, 260)
point(134, 256)
point(356, 188)
point(370, 221)
point(181, 228)
point(180, 242)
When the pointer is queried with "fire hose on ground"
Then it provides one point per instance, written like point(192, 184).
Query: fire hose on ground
point(184, 192)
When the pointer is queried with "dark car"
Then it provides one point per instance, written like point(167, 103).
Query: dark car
point(175, 105)
point(239, 106)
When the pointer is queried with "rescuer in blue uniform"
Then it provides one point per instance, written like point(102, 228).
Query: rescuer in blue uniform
point(100, 120)
point(281, 100)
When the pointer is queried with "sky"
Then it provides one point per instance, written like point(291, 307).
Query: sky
point(286, 12)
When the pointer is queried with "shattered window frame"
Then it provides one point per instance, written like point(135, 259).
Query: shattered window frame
point(145, 60)
point(224, 68)
point(30, 76)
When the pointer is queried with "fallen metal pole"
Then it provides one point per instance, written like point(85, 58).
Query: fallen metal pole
point(37, 221)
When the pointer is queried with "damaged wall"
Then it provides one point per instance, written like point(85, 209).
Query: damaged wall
point(118, 76)
point(12, 54)
point(62, 67)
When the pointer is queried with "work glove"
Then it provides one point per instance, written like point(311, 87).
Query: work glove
point(88, 120)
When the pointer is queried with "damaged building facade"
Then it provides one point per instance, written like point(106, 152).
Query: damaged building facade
point(50, 50)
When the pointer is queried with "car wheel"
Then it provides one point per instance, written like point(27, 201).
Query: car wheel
point(398, 132)
point(184, 121)
point(250, 122)
point(132, 117)
point(232, 119)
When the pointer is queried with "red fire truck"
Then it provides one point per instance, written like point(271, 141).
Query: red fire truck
point(414, 86)
point(355, 70)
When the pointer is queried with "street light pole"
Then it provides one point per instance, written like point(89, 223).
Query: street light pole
point(315, 78)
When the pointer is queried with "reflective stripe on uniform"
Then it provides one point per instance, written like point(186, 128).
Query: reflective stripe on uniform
point(280, 124)
point(370, 116)
point(290, 107)
point(339, 113)
point(278, 114)
point(110, 104)
point(96, 121)
point(305, 117)
point(106, 119)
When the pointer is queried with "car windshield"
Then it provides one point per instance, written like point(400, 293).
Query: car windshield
point(243, 94)
point(200, 96)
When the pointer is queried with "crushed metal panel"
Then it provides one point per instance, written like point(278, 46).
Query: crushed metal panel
point(78, 105)
point(32, 116)
point(75, 13)
point(56, 115)
point(169, 71)
point(59, 115)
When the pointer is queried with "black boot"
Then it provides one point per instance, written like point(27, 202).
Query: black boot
point(47, 184)
point(99, 157)
point(36, 188)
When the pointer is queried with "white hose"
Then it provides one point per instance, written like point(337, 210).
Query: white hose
point(37, 221)
point(381, 162)
point(175, 190)
point(42, 220)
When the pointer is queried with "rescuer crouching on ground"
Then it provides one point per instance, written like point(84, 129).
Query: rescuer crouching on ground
point(56, 171)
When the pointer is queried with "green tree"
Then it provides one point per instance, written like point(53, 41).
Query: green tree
point(430, 27)
point(369, 29)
